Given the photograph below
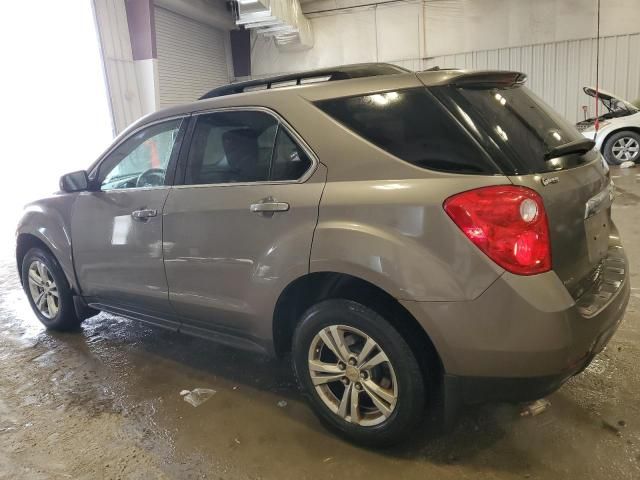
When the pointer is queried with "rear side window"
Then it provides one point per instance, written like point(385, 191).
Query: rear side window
point(243, 147)
point(289, 160)
point(411, 125)
point(231, 147)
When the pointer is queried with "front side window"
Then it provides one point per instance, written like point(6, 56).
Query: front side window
point(142, 159)
point(231, 147)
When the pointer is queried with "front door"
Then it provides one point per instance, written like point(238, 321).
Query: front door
point(240, 228)
point(117, 228)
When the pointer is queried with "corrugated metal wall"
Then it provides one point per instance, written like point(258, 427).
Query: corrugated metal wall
point(192, 58)
point(558, 71)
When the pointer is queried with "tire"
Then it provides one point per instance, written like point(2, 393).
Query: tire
point(64, 316)
point(618, 140)
point(399, 375)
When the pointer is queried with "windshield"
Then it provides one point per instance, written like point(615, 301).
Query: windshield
point(521, 125)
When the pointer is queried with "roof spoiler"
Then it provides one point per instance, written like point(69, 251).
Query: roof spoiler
point(344, 72)
point(489, 78)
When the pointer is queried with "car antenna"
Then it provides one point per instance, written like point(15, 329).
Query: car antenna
point(597, 122)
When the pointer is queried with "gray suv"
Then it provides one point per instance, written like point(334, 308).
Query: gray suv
point(405, 236)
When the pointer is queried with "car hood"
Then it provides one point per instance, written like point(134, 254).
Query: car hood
point(602, 94)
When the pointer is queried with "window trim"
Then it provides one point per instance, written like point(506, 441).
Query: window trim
point(94, 170)
point(281, 123)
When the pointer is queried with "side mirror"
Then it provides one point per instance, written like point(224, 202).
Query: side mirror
point(74, 181)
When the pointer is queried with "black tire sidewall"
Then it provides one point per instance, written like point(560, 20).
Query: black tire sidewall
point(65, 319)
point(409, 408)
point(608, 153)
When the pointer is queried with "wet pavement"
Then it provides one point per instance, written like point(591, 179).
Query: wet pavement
point(105, 402)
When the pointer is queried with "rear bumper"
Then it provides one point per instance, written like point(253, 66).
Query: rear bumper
point(525, 336)
point(471, 390)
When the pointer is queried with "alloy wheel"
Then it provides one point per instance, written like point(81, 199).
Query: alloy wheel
point(352, 375)
point(626, 149)
point(43, 289)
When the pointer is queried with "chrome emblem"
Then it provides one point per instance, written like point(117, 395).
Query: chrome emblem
point(549, 180)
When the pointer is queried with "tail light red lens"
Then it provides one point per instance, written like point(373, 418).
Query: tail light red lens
point(507, 223)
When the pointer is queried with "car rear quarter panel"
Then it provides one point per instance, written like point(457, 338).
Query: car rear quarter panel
point(49, 221)
point(395, 234)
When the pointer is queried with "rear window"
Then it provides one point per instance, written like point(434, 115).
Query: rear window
point(523, 126)
point(413, 126)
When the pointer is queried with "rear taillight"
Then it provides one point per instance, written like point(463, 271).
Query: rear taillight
point(507, 223)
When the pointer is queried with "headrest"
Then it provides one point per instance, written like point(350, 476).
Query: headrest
point(241, 148)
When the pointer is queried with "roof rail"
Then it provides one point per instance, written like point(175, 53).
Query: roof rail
point(343, 72)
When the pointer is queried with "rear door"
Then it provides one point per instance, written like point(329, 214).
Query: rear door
point(538, 149)
point(240, 227)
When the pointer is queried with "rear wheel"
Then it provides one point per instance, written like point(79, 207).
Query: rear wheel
point(48, 290)
point(622, 147)
point(360, 375)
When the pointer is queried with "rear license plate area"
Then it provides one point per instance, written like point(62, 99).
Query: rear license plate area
point(597, 229)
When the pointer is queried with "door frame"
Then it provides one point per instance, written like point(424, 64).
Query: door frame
point(181, 170)
point(170, 176)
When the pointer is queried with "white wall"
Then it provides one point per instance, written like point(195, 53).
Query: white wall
point(557, 71)
point(552, 41)
point(469, 25)
point(407, 32)
point(385, 33)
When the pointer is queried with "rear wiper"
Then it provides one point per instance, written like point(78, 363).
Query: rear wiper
point(577, 146)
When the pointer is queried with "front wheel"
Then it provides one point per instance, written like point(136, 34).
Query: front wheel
point(622, 147)
point(360, 375)
point(48, 290)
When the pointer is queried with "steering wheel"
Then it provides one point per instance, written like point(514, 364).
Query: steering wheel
point(154, 177)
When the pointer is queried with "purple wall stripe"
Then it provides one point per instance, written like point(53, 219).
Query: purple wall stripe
point(142, 28)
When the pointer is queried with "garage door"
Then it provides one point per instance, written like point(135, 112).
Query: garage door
point(192, 58)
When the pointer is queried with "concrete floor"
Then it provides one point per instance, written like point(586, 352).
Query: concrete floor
point(105, 403)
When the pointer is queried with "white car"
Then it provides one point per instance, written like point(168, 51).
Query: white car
point(618, 137)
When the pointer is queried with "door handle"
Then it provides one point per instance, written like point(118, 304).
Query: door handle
point(269, 206)
point(144, 214)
